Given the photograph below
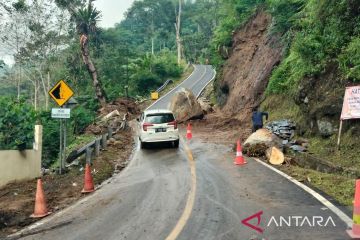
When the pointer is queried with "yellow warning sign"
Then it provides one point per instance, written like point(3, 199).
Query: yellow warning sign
point(154, 95)
point(61, 93)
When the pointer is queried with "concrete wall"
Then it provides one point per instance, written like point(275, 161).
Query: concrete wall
point(21, 165)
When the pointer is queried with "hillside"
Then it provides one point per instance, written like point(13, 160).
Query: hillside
point(295, 64)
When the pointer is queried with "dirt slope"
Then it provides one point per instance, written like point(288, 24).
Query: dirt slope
point(246, 73)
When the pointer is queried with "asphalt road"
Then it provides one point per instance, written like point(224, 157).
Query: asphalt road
point(200, 77)
point(193, 193)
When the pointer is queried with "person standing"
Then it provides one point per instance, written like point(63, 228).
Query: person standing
point(257, 119)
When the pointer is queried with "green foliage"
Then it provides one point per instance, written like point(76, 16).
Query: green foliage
point(284, 13)
point(51, 137)
point(81, 117)
point(17, 120)
point(322, 29)
point(350, 60)
point(150, 72)
point(234, 13)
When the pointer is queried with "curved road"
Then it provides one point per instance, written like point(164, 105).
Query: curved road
point(194, 192)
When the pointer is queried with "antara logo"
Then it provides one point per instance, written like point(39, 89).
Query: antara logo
point(258, 217)
point(290, 221)
point(300, 221)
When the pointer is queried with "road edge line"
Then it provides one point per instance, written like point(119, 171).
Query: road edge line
point(172, 89)
point(185, 216)
point(348, 221)
point(207, 83)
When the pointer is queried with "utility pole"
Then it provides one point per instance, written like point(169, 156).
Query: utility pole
point(178, 28)
point(127, 72)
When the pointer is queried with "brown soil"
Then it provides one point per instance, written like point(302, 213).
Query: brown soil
point(17, 199)
point(124, 106)
point(246, 73)
point(217, 128)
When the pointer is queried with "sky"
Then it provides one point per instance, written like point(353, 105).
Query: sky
point(112, 11)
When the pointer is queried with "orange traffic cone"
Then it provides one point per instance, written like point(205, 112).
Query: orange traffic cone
point(239, 160)
point(40, 209)
point(188, 132)
point(88, 181)
point(355, 231)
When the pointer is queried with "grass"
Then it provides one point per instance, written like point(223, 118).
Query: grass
point(79, 141)
point(281, 107)
point(339, 187)
point(348, 154)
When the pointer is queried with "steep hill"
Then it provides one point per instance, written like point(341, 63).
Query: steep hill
point(246, 73)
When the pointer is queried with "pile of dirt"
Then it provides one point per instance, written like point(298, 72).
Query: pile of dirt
point(17, 198)
point(246, 73)
point(219, 128)
point(123, 109)
point(123, 105)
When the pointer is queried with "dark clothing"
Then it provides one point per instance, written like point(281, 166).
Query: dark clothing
point(257, 119)
point(257, 127)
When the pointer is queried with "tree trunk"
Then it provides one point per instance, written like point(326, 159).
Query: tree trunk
point(99, 91)
point(152, 46)
point(47, 95)
point(178, 37)
point(35, 95)
point(18, 76)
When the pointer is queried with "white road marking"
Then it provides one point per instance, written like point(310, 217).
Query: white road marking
point(172, 89)
point(348, 221)
point(207, 84)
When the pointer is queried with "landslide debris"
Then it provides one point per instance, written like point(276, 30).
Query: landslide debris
point(246, 73)
point(185, 106)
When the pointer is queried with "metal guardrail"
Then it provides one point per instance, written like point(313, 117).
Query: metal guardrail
point(164, 85)
point(96, 145)
point(93, 146)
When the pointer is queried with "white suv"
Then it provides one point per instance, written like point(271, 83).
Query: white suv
point(158, 126)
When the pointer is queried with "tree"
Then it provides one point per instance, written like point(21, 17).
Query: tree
point(178, 31)
point(86, 18)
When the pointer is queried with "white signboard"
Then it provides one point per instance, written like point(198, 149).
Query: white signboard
point(60, 113)
point(351, 105)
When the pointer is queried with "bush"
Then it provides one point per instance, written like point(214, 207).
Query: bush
point(81, 117)
point(17, 120)
point(51, 138)
point(350, 60)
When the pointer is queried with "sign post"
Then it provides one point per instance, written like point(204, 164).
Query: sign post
point(61, 94)
point(350, 109)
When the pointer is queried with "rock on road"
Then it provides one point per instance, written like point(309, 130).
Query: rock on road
point(149, 199)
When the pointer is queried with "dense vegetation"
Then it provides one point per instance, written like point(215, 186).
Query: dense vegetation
point(134, 57)
point(322, 33)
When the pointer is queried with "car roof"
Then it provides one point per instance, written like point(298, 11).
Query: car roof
point(146, 112)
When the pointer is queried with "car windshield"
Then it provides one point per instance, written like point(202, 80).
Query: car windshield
point(159, 118)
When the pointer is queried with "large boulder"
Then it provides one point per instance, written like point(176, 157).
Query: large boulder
point(263, 136)
point(205, 105)
point(185, 106)
point(325, 127)
point(261, 140)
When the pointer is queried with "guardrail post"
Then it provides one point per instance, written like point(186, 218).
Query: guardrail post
point(110, 132)
point(97, 147)
point(88, 155)
point(104, 141)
